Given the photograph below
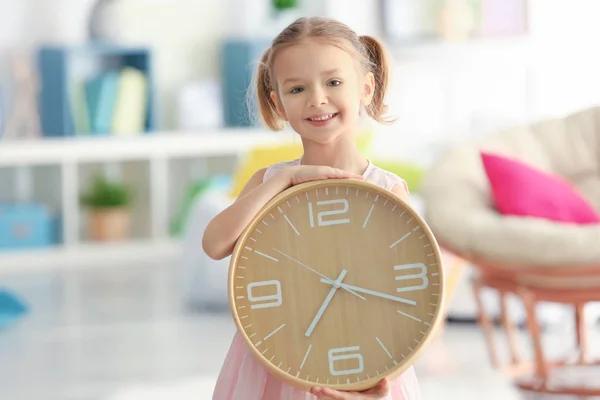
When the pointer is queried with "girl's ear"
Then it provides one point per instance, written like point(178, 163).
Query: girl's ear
point(278, 106)
point(368, 89)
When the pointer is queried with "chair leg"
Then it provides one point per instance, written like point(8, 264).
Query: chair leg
point(581, 331)
point(486, 323)
point(509, 328)
point(529, 302)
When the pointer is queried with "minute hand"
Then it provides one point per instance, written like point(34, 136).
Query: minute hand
point(374, 293)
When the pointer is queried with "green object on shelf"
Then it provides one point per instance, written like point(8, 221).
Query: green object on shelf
point(190, 197)
point(285, 4)
point(196, 190)
point(106, 194)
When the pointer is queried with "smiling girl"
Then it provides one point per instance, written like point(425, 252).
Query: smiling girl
point(318, 76)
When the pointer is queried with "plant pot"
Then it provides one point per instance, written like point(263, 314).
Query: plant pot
point(109, 224)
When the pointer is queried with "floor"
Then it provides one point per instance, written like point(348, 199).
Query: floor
point(122, 333)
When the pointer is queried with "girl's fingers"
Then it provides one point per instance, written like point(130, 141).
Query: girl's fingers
point(381, 390)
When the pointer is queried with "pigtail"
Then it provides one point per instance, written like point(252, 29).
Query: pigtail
point(267, 110)
point(379, 61)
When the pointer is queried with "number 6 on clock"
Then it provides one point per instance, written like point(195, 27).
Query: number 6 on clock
point(334, 356)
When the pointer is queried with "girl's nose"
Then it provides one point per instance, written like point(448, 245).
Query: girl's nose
point(318, 98)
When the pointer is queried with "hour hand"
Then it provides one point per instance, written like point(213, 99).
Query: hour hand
point(374, 293)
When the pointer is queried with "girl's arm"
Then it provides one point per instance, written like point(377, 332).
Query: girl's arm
point(223, 231)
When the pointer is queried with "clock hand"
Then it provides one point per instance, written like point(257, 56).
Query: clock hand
point(325, 279)
point(336, 286)
point(372, 292)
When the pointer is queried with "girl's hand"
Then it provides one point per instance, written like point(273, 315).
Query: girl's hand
point(305, 173)
point(378, 392)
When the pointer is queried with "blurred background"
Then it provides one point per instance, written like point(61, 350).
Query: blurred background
point(124, 127)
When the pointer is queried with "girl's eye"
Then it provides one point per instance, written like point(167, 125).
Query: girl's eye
point(296, 90)
point(335, 82)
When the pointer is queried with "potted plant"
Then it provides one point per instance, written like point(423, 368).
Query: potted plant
point(109, 204)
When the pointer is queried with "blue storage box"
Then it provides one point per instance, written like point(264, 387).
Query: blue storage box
point(26, 225)
point(239, 62)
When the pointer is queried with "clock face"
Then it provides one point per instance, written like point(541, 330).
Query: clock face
point(336, 283)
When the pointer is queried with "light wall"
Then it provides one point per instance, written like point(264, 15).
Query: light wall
point(185, 34)
point(429, 94)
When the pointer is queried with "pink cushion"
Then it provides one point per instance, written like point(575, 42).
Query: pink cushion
point(520, 190)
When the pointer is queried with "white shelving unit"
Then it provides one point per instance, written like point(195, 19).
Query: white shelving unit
point(157, 152)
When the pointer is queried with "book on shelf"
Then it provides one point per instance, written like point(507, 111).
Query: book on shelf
point(110, 103)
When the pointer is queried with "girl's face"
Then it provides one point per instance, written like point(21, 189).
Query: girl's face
point(321, 89)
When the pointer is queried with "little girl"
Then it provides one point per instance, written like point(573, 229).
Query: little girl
point(318, 76)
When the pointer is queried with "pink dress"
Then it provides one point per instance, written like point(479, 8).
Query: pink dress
point(242, 377)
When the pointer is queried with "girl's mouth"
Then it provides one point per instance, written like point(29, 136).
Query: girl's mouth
point(320, 120)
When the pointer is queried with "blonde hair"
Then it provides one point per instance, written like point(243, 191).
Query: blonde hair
point(368, 50)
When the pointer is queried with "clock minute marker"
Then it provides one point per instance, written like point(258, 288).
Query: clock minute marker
point(305, 357)
point(383, 347)
point(409, 316)
point(368, 215)
point(266, 255)
point(274, 332)
point(291, 225)
point(399, 240)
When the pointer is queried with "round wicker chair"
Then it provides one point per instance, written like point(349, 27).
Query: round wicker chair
point(535, 259)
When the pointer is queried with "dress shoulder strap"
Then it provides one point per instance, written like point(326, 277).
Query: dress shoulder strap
point(385, 178)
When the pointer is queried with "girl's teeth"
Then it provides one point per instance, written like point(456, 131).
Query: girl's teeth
point(323, 118)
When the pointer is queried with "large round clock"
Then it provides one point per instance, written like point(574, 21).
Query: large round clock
point(336, 283)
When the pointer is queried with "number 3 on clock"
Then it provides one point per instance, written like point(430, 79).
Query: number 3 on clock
point(322, 214)
point(420, 275)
